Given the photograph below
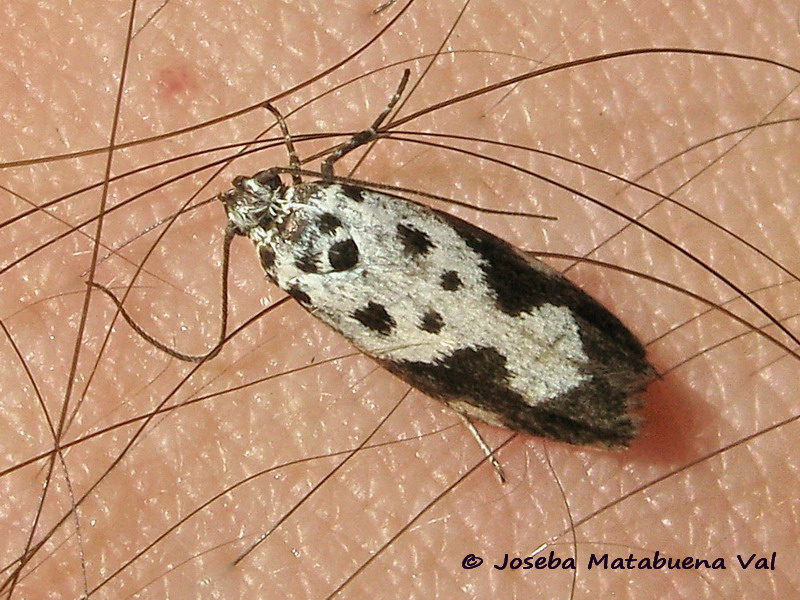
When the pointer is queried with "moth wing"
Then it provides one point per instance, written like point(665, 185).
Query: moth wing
point(599, 411)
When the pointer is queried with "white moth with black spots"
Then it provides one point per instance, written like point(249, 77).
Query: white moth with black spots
point(450, 308)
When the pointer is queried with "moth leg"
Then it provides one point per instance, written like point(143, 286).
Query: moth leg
point(294, 160)
point(226, 251)
point(366, 136)
point(498, 469)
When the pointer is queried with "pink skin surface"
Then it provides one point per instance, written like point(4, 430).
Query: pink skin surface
point(410, 510)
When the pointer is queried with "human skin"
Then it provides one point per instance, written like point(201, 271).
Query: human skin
point(403, 506)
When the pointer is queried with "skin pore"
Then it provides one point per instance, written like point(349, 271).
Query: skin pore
point(191, 64)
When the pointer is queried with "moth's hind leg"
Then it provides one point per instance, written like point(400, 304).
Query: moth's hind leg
point(498, 469)
point(366, 136)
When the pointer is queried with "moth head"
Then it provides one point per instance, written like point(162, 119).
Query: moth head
point(253, 201)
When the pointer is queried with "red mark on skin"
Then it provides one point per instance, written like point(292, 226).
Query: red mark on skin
point(176, 81)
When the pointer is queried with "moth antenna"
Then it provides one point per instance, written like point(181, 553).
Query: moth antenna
point(195, 358)
point(294, 160)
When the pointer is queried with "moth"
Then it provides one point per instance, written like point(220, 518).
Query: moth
point(453, 310)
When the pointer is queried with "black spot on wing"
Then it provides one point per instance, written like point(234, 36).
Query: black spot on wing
point(432, 322)
point(415, 242)
point(299, 295)
point(343, 255)
point(308, 262)
point(451, 281)
point(475, 373)
point(267, 256)
point(352, 192)
point(329, 223)
point(374, 316)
